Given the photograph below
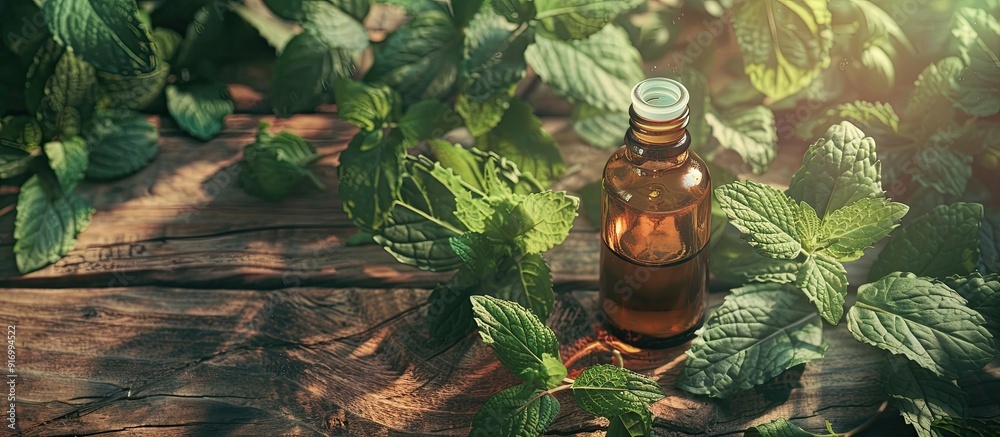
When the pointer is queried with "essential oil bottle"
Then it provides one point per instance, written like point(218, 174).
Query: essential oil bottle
point(656, 221)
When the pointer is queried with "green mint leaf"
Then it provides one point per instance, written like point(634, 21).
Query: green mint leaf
point(166, 43)
point(463, 12)
point(529, 283)
point(777, 428)
point(20, 132)
point(40, 71)
point(759, 331)
point(274, 166)
point(427, 120)
point(879, 24)
point(492, 64)
point(449, 311)
point(965, 427)
point(736, 262)
point(930, 106)
point(921, 397)
point(515, 11)
point(420, 59)
point(850, 230)
point(521, 341)
point(824, 281)
point(371, 174)
point(750, 132)
point(923, 320)
point(874, 118)
point(121, 143)
point(631, 424)
point(67, 93)
point(68, 159)
point(600, 70)
point(808, 226)
point(766, 217)
point(785, 43)
point(838, 170)
point(366, 106)
point(543, 220)
point(305, 72)
point(423, 221)
point(600, 127)
point(943, 242)
point(520, 138)
point(334, 25)
point(945, 170)
point(45, 229)
point(989, 242)
point(578, 19)
point(200, 109)
point(471, 165)
point(982, 294)
point(977, 86)
point(517, 411)
point(138, 92)
point(276, 32)
point(608, 391)
point(105, 33)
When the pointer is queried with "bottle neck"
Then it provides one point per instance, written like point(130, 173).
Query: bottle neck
point(659, 142)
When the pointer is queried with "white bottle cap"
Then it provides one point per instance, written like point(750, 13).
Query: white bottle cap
point(659, 99)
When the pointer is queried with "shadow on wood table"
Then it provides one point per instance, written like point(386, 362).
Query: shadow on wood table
point(190, 308)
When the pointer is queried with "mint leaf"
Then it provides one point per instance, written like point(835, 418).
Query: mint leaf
point(838, 170)
point(549, 217)
point(735, 262)
point(940, 243)
point(449, 311)
point(521, 341)
point(921, 397)
point(492, 64)
point(68, 159)
point(520, 138)
point(67, 93)
point(983, 295)
point(274, 166)
point(930, 107)
point(785, 43)
point(422, 222)
point(138, 92)
point(200, 109)
point(600, 70)
point(874, 118)
point(750, 132)
point(305, 72)
point(923, 320)
point(420, 59)
point(427, 120)
point(808, 226)
point(578, 19)
point(766, 217)
point(824, 281)
point(850, 230)
point(965, 427)
point(989, 243)
point(334, 25)
point(45, 229)
point(945, 170)
point(631, 424)
point(370, 175)
point(977, 85)
point(105, 33)
point(608, 391)
point(759, 331)
point(600, 127)
point(530, 284)
point(366, 106)
point(276, 32)
point(777, 428)
point(472, 166)
point(516, 411)
point(121, 143)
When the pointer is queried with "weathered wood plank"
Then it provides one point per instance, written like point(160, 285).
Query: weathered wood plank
point(309, 361)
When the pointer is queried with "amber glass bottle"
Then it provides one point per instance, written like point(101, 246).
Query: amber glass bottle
point(656, 211)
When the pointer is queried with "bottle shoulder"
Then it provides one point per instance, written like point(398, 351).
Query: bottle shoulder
point(658, 186)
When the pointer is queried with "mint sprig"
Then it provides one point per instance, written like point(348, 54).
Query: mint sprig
point(530, 349)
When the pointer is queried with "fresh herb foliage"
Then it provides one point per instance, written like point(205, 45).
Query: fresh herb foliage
point(529, 348)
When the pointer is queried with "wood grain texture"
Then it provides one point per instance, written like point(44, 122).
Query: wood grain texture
point(314, 361)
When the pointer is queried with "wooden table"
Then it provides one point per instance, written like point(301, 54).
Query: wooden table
point(191, 308)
